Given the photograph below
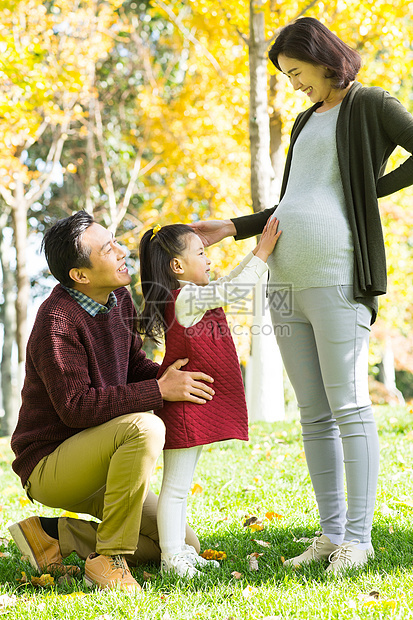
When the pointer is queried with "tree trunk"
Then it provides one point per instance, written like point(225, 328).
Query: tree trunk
point(8, 421)
point(261, 169)
point(264, 373)
point(277, 154)
point(387, 373)
point(19, 216)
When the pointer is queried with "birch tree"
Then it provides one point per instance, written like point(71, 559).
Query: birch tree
point(44, 73)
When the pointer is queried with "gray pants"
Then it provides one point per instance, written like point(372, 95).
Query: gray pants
point(323, 336)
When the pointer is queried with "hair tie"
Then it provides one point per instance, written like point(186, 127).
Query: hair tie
point(155, 231)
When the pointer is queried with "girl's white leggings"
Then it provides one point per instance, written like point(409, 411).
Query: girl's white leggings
point(178, 472)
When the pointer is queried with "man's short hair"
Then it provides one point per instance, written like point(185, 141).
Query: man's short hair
point(63, 247)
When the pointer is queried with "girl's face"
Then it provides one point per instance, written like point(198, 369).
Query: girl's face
point(310, 79)
point(193, 264)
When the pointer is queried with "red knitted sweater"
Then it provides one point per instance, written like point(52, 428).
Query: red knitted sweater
point(81, 371)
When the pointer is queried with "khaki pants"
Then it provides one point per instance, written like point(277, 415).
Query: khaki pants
point(105, 471)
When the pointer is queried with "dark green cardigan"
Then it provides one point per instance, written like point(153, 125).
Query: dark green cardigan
point(370, 125)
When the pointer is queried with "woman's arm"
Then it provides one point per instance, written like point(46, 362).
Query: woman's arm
point(213, 231)
point(251, 225)
point(398, 124)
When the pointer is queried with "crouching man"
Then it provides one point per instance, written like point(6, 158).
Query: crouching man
point(86, 440)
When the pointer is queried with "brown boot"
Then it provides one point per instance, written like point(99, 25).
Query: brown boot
point(42, 550)
point(109, 571)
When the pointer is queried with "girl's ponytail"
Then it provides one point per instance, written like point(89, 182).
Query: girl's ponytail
point(157, 248)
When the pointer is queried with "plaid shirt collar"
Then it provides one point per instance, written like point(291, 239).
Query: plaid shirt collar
point(91, 306)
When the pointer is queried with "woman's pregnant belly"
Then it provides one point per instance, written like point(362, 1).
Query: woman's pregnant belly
point(315, 247)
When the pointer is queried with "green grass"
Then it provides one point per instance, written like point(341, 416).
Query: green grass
point(239, 480)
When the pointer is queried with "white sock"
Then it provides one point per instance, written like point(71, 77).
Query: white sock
point(336, 539)
point(360, 546)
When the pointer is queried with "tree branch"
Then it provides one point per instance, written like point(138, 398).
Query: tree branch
point(136, 172)
point(241, 35)
point(41, 129)
point(53, 157)
point(7, 196)
point(113, 207)
point(276, 33)
point(189, 36)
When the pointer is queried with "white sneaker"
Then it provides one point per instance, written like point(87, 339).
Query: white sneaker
point(179, 564)
point(347, 556)
point(320, 549)
point(198, 560)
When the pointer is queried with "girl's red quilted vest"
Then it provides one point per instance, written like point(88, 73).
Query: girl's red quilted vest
point(210, 349)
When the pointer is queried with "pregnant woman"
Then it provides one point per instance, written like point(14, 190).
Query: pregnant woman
point(331, 258)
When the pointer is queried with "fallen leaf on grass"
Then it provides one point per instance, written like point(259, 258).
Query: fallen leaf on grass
point(372, 596)
point(43, 581)
point(66, 580)
point(4, 555)
point(373, 599)
point(72, 595)
point(391, 529)
point(23, 578)
point(196, 489)
point(273, 515)
point(253, 561)
point(213, 554)
point(249, 591)
point(148, 576)
point(282, 558)
point(236, 574)
point(262, 543)
point(254, 524)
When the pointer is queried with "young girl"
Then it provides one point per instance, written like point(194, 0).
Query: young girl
point(180, 302)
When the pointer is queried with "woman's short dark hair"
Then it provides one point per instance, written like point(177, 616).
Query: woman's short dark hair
point(310, 41)
point(63, 247)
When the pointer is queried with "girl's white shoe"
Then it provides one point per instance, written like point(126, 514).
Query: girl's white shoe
point(178, 563)
point(198, 560)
